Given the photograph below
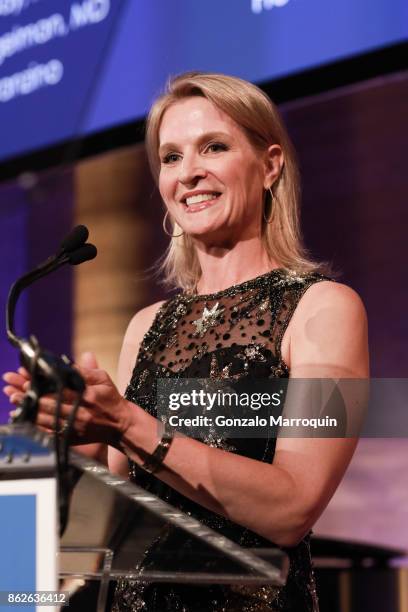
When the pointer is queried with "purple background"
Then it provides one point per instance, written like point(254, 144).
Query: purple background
point(32, 225)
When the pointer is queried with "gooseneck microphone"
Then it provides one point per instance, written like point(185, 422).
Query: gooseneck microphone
point(73, 250)
point(48, 371)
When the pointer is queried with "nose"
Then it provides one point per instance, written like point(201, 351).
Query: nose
point(191, 170)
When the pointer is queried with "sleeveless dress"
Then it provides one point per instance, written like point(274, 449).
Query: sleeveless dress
point(228, 335)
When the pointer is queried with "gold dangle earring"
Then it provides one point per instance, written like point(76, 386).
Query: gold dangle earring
point(271, 211)
point(165, 229)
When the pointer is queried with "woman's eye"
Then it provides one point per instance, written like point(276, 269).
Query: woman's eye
point(215, 147)
point(170, 158)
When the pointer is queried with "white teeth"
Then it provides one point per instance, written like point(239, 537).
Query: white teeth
point(202, 197)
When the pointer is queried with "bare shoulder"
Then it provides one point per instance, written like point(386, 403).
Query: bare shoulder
point(328, 332)
point(141, 322)
point(332, 297)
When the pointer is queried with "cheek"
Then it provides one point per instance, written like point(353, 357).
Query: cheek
point(252, 182)
point(164, 190)
point(167, 196)
point(166, 186)
point(245, 174)
point(247, 187)
point(161, 184)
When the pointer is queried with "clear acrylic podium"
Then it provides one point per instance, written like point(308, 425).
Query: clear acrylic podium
point(112, 523)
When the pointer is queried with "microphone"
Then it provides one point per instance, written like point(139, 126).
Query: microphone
point(50, 367)
point(74, 240)
point(50, 373)
point(72, 250)
point(48, 370)
point(83, 253)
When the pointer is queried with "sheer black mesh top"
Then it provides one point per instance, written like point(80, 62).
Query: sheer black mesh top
point(231, 334)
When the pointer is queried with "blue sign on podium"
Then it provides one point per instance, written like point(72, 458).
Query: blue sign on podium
point(28, 519)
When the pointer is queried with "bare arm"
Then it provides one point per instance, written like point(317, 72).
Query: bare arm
point(327, 338)
point(138, 326)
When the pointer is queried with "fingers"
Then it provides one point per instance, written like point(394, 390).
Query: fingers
point(47, 421)
point(15, 397)
point(46, 413)
point(94, 377)
point(47, 406)
point(19, 382)
point(46, 418)
point(45, 429)
point(88, 367)
point(23, 372)
point(88, 360)
point(68, 397)
point(16, 380)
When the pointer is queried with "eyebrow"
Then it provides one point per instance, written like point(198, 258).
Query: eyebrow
point(169, 146)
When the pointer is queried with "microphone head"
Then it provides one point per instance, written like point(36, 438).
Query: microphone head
point(83, 253)
point(75, 239)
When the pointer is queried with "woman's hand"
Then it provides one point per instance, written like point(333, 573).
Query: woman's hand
point(17, 384)
point(103, 415)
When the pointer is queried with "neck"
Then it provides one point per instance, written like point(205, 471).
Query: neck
point(224, 266)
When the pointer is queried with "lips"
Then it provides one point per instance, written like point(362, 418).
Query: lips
point(201, 202)
point(197, 195)
point(200, 197)
point(194, 201)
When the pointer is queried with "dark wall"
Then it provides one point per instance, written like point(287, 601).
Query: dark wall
point(352, 149)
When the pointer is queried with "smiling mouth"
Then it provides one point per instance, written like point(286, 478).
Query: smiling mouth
point(200, 201)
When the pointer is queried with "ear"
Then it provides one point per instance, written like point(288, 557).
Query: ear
point(273, 165)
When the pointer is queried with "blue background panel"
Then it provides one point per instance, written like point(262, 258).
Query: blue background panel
point(116, 56)
point(18, 545)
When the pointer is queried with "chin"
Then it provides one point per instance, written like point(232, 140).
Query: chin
point(209, 235)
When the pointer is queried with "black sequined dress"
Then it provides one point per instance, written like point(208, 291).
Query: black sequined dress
point(239, 336)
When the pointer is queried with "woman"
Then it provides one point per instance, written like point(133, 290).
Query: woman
point(252, 305)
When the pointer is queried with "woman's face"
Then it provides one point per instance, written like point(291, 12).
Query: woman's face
point(211, 178)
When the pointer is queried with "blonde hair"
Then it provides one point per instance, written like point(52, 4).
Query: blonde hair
point(260, 120)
